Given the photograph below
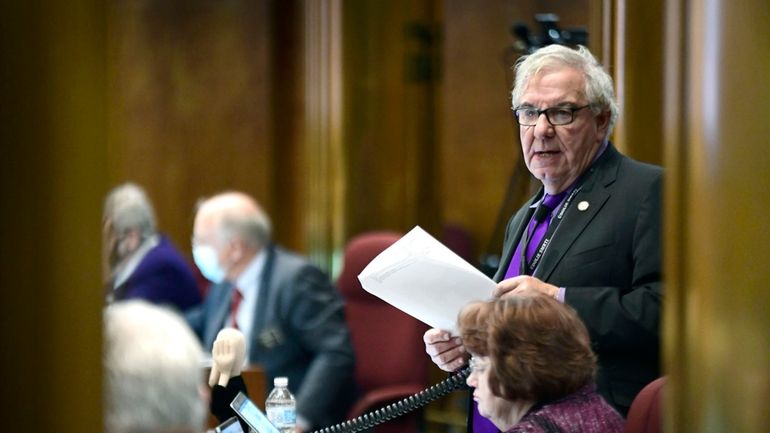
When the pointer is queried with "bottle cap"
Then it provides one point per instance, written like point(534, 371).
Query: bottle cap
point(281, 381)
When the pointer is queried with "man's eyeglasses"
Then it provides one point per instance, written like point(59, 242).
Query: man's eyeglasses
point(527, 116)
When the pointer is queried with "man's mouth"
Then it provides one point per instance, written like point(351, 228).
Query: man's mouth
point(546, 152)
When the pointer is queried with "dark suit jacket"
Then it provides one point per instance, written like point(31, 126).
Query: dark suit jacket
point(299, 332)
point(608, 259)
point(162, 277)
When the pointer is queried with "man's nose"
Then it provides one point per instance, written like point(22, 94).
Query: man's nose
point(543, 127)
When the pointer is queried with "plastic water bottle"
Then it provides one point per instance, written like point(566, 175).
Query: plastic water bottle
point(281, 406)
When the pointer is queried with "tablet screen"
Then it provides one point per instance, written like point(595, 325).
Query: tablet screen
point(250, 413)
point(230, 426)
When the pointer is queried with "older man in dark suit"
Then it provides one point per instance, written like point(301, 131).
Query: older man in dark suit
point(290, 313)
point(591, 236)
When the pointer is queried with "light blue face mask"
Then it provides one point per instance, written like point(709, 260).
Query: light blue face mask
point(205, 258)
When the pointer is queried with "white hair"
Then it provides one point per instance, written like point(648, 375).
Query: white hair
point(128, 207)
point(153, 377)
point(599, 90)
point(239, 215)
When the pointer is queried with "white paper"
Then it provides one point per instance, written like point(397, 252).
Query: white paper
point(425, 279)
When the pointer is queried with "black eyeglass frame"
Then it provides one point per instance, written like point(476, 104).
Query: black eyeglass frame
point(545, 111)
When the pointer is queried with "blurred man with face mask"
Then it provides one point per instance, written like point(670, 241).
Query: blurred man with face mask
point(290, 313)
point(138, 262)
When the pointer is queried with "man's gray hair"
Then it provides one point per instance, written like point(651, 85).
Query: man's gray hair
point(128, 207)
point(599, 89)
point(153, 376)
point(254, 228)
point(238, 215)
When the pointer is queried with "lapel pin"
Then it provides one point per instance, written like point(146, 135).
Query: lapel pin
point(583, 205)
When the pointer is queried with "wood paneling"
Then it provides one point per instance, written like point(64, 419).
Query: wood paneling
point(191, 88)
point(325, 177)
point(638, 70)
point(717, 330)
point(290, 165)
point(390, 72)
point(53, 179)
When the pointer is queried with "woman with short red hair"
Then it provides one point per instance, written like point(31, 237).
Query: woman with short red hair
point(533, 368)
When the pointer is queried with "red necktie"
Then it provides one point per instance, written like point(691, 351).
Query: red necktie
point(234, 305)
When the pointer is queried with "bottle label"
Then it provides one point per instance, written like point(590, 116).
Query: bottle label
point(282, 416)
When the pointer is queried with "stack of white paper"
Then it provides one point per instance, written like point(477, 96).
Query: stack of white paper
point(425, 279)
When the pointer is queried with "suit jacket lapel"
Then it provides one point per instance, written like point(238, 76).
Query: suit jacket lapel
point(594, 192)
point(576, 221)
point(219, 312)
point(260, 314)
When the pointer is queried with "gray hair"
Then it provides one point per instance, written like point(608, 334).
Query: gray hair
point(153, 375)
point(599, 86)
point(128, 207)
point(239, 215)
point(253, 228)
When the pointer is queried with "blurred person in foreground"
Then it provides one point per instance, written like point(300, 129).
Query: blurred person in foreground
point(590, 237)
point(515, 344)
point(290, 313)
point(139, 262)
point(153, 377)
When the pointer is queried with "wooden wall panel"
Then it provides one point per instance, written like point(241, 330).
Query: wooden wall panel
point(53, 178)
point(323, 150)
point(390, 77)
point(638, 70)
point(190, 103)
point(289, 164)
point(717, 330)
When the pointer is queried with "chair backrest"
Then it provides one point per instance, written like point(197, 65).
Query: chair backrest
point(459, 240)
point(644, 415)
point(387, 342)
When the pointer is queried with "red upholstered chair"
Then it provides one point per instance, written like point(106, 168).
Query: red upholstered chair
point(644, 416)
point(459, 240)
point(390, 355)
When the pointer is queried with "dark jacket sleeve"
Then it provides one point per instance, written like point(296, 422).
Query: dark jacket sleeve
point(221, 397)
point(317, 314)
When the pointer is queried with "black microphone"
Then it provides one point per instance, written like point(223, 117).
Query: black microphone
point(527, 42)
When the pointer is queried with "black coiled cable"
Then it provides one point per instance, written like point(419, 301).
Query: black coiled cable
point(394, 410)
